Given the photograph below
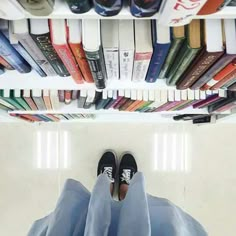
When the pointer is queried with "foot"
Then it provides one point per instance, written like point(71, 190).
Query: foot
point(128, 168)
point(107, 165)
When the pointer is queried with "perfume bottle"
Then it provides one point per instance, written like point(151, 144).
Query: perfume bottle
point(108, 7)
point(79, 6)
point(38, 7)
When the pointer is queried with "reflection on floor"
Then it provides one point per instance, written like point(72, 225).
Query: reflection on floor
point(192, 166)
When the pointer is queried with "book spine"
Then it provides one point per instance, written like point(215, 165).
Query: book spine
point(68, 59)
point(4, 63)
point(228, 84)
point(38, 8)
point(47, 102)
point(44, 44)
point(79, 7)
point(22, 103)
point(29, 59)
point(141, 64)
point(205, 62)
point(97, 67)
point(107, 8)
point(142, 8)
point(211, 7)
point(178, 12)
point(111, 57)
point(187, 59)
point(216, 68)
point(175, 47)
point(221, 75)
point(157, 61)
point(39, 103)
point(230, 77)
point(12, 56)
point(31, 103)
point(227, 107)
point(31, 47)
point(79, 54)
point(126, 64)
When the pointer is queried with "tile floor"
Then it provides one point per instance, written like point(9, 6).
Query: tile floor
point(192, 166)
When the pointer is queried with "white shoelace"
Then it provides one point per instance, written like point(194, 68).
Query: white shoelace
point(126, 176)
point(108, 172)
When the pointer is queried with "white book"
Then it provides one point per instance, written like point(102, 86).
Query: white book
point(184, 95)
point(54, 99)
point(213, 33)
point(11, 9)
point(230, 35)
point(139, 95)
point(171, 95)
point(177, 95)
point(21, 30)
point(143, 49)
point(178, 12)
point(110, 43)
point(126, 47)
point(191, 95)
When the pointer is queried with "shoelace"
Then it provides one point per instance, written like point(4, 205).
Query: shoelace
point(108, 172)
point(126, 176)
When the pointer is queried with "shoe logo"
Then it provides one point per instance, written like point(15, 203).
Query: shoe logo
point(126, 176)
point(108, 172)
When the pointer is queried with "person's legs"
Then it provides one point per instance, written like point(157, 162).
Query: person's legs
point(107, 165)
point(128, 168)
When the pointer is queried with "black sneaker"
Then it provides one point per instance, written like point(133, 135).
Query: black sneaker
point(107, 165)
point(128, 168)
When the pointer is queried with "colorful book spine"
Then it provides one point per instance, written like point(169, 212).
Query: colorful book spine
point(221, 75)
point(184, 59)
point(5, 64)
point(205, 61)
point(107, 7)
point(144, 8)
point(12, 56)
point(97, 67)
point(216, 68)
point(79, 54)
point(176, 44)
point(160, 53)
point(28, 43)
point(44, 43)
point(227, 79)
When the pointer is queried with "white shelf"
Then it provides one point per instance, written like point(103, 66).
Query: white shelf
point(16, 80)
point(62, 11)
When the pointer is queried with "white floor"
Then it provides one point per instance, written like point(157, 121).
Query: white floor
point(192, 166)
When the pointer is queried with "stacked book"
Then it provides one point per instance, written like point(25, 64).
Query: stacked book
point(200, 55)
point(52, 117)
point(144, 101)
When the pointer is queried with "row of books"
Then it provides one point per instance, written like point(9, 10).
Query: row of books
point(122, 100)
point(93, 51)
point(52, 117)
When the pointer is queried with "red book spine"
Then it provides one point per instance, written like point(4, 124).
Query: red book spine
point(225, 80)
point(5, 64)
point(79, 54)
point(221, 75)
point(68, 60)
point(31, 103)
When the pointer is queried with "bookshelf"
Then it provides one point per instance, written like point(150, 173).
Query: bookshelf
point(15, 80)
